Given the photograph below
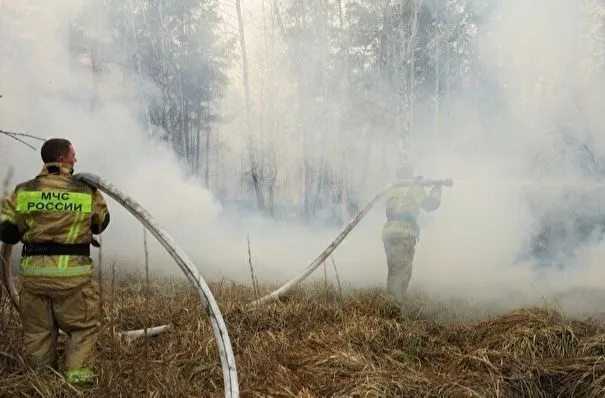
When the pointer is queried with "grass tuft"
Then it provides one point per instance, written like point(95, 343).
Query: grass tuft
point(314, 343)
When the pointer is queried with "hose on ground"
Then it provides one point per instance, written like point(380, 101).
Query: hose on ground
point(218, 324)
point(343, 234)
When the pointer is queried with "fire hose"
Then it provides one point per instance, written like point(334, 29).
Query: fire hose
point(218, 324)
point(219, 328)
point(11, 291)
point(323, 256)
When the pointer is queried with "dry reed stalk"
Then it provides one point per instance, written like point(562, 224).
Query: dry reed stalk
point(337, 277)
point(111, 308)
point(100, 270)
point(100, 280)
point(113, 283)
point(254, 281)
point(147, 312)
point(361, 346)
point(325, 277)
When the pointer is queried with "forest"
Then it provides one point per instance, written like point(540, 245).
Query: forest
point(302, 110)
point(327, 90)
point(305, 109)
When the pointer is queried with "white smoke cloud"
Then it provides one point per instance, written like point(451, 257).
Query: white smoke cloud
point(542, 51)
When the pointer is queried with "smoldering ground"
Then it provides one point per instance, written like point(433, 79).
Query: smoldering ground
point(545, 67)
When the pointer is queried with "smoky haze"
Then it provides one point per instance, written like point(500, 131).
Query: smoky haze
point(525, 107)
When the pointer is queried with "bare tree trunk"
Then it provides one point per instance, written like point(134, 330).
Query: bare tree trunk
point(207, 166)
point(253, 166)
point(437, 99)
point(345, 84)
point(280, 22)
point(411, 55)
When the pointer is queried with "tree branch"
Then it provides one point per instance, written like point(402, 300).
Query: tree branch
point(17, 137)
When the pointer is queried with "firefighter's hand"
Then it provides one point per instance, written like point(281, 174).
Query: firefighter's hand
point(448, 182)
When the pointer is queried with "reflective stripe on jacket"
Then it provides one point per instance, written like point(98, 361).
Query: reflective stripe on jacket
point(53, 208)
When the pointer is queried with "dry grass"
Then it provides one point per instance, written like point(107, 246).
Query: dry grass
point(314, 343)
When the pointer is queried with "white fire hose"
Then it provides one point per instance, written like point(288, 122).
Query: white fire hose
point(347, 229)
point(218, 324)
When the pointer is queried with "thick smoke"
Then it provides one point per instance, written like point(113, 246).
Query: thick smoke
point(48, 93)
point(542, 56)
point(545, 55)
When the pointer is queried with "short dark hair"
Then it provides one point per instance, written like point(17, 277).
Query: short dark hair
point(53, 149)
